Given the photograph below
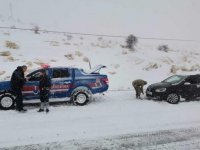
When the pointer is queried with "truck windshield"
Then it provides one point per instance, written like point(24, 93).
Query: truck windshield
point(174, 79)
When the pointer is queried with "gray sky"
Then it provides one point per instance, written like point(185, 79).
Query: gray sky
point(146, 18)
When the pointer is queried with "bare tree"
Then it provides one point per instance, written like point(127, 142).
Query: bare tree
point(131, 42)
point(36, 29)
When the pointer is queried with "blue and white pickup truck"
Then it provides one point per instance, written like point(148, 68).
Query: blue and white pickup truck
point(70, 82)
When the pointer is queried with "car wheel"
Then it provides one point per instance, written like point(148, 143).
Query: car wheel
point(6, 102)
point(173, 98)
point(81, 97)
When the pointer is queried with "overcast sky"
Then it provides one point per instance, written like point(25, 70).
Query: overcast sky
point(144, 18)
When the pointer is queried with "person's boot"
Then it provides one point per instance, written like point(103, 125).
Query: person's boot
point(24, 110)
point(47, 110)
point(40, 110)
point(140, 97)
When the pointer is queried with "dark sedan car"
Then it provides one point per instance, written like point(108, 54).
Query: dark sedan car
point(175, 87)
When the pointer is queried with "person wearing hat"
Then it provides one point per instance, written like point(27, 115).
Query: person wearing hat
point(44, 87)
point(17, 82)
point(138, 86)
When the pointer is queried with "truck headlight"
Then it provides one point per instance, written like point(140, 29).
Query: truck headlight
point(161, 90)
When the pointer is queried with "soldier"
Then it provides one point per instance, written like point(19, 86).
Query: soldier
point(17, 82)
point(44, 86)
point(138, 85)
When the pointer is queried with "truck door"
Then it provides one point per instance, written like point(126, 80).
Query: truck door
point(31, 88)
point(61, 82)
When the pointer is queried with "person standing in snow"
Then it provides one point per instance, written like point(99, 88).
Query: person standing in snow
point(138, 85)
point(17, 82)
point(44, 87)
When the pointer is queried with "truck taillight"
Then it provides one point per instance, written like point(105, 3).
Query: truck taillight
point(105, 80)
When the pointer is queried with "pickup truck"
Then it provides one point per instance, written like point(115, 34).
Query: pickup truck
point(67, 82)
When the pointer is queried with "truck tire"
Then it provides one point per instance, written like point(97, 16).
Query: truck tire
point(81, 97)
point(6, 102)
point(173, 98)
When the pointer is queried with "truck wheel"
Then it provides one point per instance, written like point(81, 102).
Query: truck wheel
point(81, 97)
point(173, 98)
point(6, 102)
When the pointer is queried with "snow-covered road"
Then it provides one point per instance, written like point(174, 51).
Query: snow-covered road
point(176, 139)
point(114, 114)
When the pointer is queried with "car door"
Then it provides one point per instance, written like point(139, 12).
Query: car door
point(61, 82)
point(191, 87)
point(31, 88)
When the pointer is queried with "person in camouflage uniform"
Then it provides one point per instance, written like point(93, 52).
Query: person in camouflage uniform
point(138, 85)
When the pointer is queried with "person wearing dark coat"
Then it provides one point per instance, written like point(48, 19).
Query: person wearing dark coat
point(17, 82)
point(138, 85)
point(44, 87)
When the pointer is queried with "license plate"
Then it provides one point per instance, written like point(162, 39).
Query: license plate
point(150, 93)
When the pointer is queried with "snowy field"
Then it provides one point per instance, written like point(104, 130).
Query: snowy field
point(116, 119)
point(114, 114)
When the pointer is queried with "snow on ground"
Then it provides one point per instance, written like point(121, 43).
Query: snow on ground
point(123, 65)
point(177, 139)
point(116, 113)
point(113, 114)
point(109, 115)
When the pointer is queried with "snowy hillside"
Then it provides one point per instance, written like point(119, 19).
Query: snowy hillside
point(123, 65)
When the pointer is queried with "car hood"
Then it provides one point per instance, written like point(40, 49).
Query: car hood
point(159, 85)
point(4, 85)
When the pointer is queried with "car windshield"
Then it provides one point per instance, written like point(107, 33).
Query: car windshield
point(174, 79)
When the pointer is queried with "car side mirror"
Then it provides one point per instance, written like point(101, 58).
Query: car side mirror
point(187, 83)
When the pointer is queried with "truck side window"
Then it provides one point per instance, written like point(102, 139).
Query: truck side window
point(35, 76)
point(61, 73)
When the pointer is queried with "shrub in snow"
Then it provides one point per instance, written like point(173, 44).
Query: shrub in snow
point(5, 53)
point(152, 66)
point(69, 37)
point(36, 29)
point(116, 66)
point(66, 43)
point(78, 53)
point(13, 27)
point(29, 64)
point(100, 38)
point(173, 69)
point(69, 56)
point(112, 72)
point(124, 52)
point(131, 42)
point(53, 60)
point(39, 62)
point(6, 33)
point(10, 58)
point(163, 48)
point(2, 72)
point(54, 43)
point(86, 59)
point(183, 68)
point(11, 45)
point(195, 67)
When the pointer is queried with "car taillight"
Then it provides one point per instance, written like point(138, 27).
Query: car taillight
point(105, 80)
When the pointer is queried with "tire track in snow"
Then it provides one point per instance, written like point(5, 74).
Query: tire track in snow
point(177, 139)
